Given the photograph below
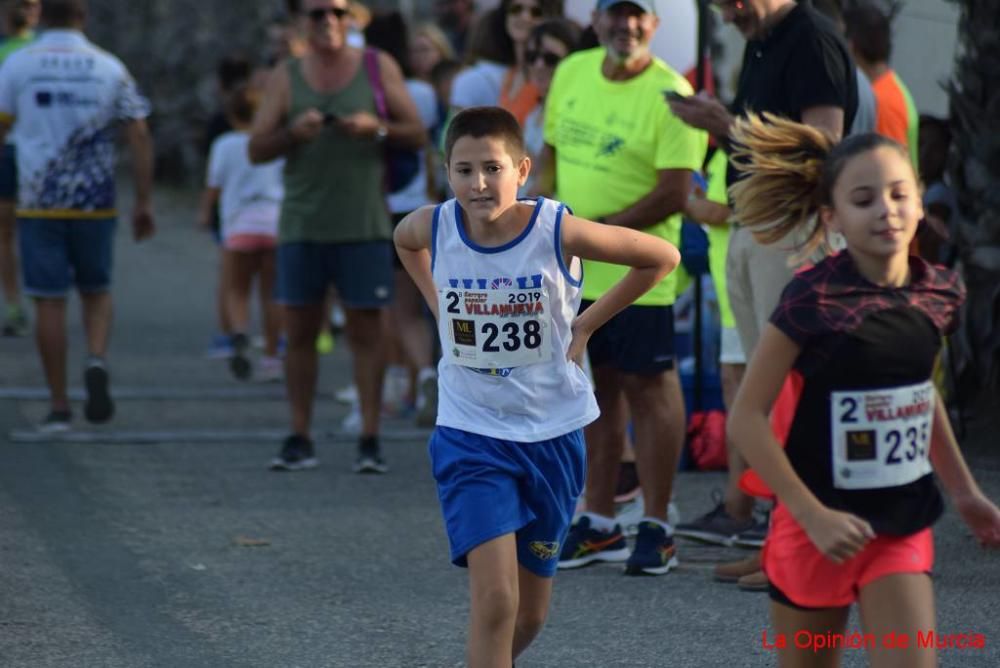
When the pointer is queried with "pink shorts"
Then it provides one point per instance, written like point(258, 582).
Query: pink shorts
point(801, 576)
point(248, 243)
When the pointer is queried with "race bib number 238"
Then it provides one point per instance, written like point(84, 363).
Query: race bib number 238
point(496, 329)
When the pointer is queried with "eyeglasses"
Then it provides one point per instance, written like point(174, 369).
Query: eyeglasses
point(320, 13)
point(550, 59)
point(532, 10)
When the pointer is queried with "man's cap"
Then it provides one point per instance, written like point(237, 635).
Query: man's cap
point(648, 6)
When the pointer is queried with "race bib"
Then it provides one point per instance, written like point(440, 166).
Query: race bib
point(881, 438)
point(496, 329)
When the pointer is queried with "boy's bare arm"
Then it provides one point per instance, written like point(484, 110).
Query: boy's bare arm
point(412, 239)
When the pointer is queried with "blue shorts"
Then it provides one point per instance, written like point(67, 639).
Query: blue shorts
point(361, 272)
point(489, 488)
point(8, 172)
point(639, 340)
point(58, 253)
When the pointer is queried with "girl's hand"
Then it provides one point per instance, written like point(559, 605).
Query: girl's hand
point(838, 535)
point(578, 346)
point(982, 516)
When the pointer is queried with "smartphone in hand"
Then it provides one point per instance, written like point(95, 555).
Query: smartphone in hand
point(330, 118)
point(673, 96)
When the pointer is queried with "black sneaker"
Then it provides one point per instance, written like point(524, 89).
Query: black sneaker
point(369, 457)
point(56, 422)
point(654, 552)
point(754, 536)
point(99, 406)
point(715, 527)
point(239, 363)
point(297, 454)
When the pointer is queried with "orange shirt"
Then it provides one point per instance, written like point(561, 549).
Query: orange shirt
point(522, 104)
point(896, 115)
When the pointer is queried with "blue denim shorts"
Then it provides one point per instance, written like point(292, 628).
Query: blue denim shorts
point(361, 272)
point(58, 253)
point(8, 172)
point(489, 487)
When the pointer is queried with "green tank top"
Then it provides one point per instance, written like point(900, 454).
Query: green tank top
point(334, 184)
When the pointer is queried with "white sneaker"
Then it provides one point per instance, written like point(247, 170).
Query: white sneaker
point(270, 370)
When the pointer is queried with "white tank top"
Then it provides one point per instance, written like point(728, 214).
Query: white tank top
point(505, 317)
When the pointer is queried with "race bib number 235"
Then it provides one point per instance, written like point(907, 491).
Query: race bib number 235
point(881, 438)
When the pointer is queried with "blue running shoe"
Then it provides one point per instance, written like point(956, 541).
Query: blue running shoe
point(585, 545)
point(220, 348)
point(654, 552)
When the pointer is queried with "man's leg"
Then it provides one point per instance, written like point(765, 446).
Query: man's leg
point(8, 254)
point(50, 337)
point(657, 407)
point(366, 337)
point(302, 324)
point(97, 313)
point(739, 505)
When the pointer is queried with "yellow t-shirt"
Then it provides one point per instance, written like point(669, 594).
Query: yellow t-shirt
point(718, 236)
point(611, 138)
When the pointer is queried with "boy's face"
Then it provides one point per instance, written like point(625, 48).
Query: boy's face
point(484, 176)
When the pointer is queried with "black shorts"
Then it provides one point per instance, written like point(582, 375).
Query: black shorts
point(639, 340)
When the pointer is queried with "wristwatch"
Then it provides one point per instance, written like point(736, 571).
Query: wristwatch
point(381, 132)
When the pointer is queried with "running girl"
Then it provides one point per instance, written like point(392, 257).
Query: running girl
point(503, 277)
point(855, 484)
point(250, 202)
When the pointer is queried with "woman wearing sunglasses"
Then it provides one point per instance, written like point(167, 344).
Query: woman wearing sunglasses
point(499, 75)
point(548, 43)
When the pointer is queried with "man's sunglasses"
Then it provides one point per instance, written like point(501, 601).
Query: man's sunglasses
point(533, 10)
point(550, 59)
point(320, 13)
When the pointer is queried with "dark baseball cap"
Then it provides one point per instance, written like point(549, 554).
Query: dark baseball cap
point(648, 6)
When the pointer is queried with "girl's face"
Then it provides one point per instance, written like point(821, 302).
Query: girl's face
point(423, 56)
point(542, 58)
point(876, 203)
point(485, 177)
point(522, 16)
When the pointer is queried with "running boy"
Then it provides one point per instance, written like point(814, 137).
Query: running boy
point(503, 279)
point(855, 484)
point(250, 206)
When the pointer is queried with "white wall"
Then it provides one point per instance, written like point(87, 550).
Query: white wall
point(925, 37)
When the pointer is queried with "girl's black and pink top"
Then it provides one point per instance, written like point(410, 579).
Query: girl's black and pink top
point(860, 439)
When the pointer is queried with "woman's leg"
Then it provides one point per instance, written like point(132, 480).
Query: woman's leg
point(899, 604)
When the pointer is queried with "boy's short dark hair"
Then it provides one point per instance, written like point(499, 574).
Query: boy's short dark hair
point(869, 30)
point(478, 122)
point(233, 70)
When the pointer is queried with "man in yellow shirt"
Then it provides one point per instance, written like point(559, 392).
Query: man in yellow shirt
point(615, 153)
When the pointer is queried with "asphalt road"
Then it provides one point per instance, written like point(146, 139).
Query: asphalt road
point(161, 540)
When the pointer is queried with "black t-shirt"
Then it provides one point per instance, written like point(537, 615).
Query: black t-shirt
point(861, 338)
point(801, 63)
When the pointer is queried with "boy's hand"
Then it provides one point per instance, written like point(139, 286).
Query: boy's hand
point(838, 535)
point(982, 516)
point(578, 345)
